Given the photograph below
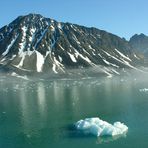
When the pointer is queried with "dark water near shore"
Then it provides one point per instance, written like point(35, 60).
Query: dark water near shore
point(37, 114)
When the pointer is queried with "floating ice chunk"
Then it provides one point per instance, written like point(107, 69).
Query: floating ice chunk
point(98, 127)
point(143, 90)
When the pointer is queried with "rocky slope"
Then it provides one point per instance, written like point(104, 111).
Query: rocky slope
point(33, 43)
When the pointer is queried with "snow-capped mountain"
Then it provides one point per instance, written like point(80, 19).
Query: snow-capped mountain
point(33, 43)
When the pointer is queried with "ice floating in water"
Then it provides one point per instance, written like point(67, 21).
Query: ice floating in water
point(98, 127)
point(143, 90)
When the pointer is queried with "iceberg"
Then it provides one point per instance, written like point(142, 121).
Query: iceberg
point(98, 127)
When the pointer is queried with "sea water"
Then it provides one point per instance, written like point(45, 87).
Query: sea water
point(41, 113)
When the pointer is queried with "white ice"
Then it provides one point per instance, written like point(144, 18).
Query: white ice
point(98, 127)
point(143, 90)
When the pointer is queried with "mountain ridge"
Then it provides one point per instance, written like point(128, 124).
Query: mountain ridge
point(37, 44)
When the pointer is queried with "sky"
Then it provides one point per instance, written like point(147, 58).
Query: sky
point(121, 17)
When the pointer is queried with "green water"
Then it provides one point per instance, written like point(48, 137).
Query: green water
point(38, 114)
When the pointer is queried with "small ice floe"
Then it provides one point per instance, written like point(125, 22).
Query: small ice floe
point(98, 127)
point(143, 90)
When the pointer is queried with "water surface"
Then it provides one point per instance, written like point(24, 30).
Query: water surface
point(39, 114)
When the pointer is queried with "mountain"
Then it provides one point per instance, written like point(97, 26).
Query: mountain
point(140, 43)
point(33, 43)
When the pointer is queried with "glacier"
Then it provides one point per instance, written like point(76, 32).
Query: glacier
point(97, 127)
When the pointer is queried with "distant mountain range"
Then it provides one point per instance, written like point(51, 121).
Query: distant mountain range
point(140, 44)
point(35, 44)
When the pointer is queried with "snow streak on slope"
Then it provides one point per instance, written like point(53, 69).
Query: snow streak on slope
point(120, 60)
point(121, 54)
point(72, 57)
point(40, 61)
point(31, 37)
point(23, 40)
point(57, 66)
point(10, 45)
point(22, 60)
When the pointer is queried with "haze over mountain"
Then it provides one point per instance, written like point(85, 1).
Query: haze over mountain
point(33, 43)
point(140, 43)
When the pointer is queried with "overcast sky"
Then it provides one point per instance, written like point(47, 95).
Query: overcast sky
point(121, 17)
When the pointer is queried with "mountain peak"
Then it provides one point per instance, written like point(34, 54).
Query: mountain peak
point(34, 15)
point(36, 43)
point(141, 35)
point(140, 42)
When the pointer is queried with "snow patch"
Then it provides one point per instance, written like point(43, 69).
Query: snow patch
point(75, 38)
point(89, 46)
point(18, 76)
point(115, 71)
point(57, 65)
point(108, 63)
point(3, 60)
point(23, 40)
point(52, 28)
point(98, 127)
point(54, 68)
point(84, 58)
point(72, 57)
point(61, 47)
point(40, 61)
point(10, 45)
point(60, 59)
point(136, 57)
point(22, 60)
point(120, 60)
point(31, 38)
point(106, 70)
point(121, 54)
point(59, 26)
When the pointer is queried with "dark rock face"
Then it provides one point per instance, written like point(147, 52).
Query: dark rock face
point(140, 44)
point(36, 44)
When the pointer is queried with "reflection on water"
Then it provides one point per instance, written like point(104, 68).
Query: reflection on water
point(37, 112)
point(41, 97)
point(109, 139)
